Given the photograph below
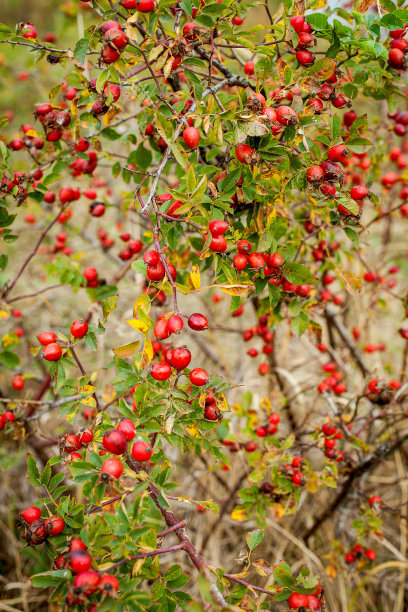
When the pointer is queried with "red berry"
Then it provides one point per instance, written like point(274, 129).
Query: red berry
point(218, 227)
point(240, 261)
point(286, 115)
point(181, 357)
point(175, 324)
point(161, 329)
point(86, 582)
point(249, 68)
point(305, 57)
point(127, 427)
point(31, 514)
point(54, 525)
point(90, 274)
point(145, 6)
point(244, 246)
point(198, 322)
point(161, 371)
point(198, 377)
point(80, 561)
point(297, 600)
point(114, 441)
point(52, 352)
point(191, 137)
point(141, 451)
point(151, 257)
point(17, 382)
point(245, 154)
point(155, 272)
point(113, 467)
point(79, 328)
point(108, 583)
point(77, 544)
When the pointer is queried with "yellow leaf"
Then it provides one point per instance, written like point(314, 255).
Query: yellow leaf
point(145, 356)
point(32, 134)
point(7, 340)
point(138, 325)
point(280, 67)
point(4, 314)
point(239, 514)
point(236, 289)
point(127, 350)
point(74, 105)
point(195, 276)
point(87, 389)
point(262, 567)
point(312, 484)
point(222, 403)
point(143, 302)
point(130, 30)
point(137, 567)
point(89, 401)
point(110, 115)
point(331, 571)
point(193, 431)
point(271, 214)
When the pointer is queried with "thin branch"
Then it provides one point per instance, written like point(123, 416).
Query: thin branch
point(25, 263)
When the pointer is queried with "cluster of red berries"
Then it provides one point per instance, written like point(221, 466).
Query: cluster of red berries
point(333, 380)
point(398, 50)
point(37, 529)
point(294, 471)
point(72, 443)
point(305, 602)
point(332, 434)
point(87, 581)
point(155, 270)
point(115, 442)
point(90, 275)
point(270, 428)
point(132, 246)
point(114, 41)
point(357, 552)
point(305, 40)
point(7, 418)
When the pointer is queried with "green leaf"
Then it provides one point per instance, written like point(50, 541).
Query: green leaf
point(335, 127)
point(109, 305)
point(142, 157)
point(9, 359)
point(33, 473)
point(392, 22)
point(265, 241)
point(274, 295)
point(318, 21)
point(46, 475)
point(254, 538)
point(81, 49)
point(139, 267)
point(297, 273)
point(350, 204)
point(190, 179)
point(352, 234)
point(52, 578)
point(300, 323)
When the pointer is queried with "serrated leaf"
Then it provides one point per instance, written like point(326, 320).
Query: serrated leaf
point(33, 473)
point(108, 306)
point(254, 538)
point(297, 273)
